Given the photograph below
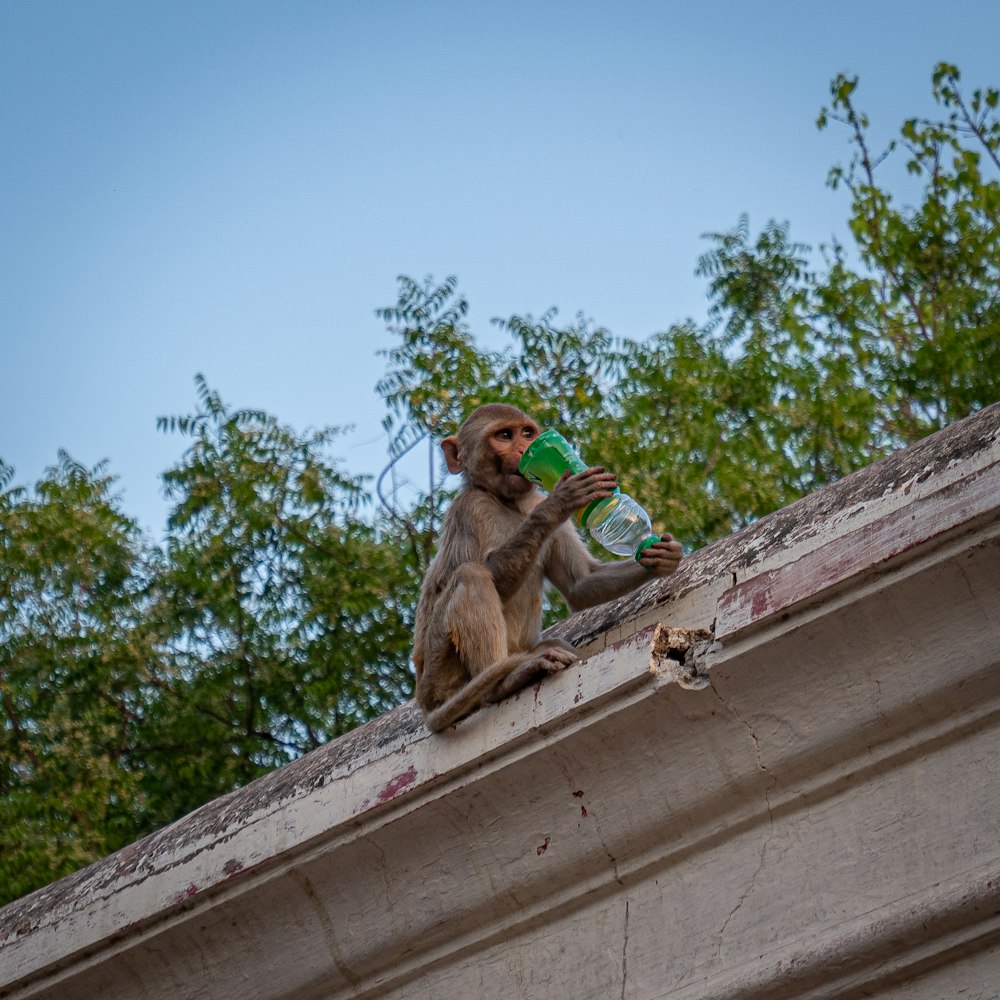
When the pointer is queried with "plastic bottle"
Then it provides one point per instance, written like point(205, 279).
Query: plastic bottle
point(618, 522)
point(621, 526)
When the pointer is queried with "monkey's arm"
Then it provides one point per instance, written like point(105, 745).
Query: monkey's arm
point(605, 583)
point(510, 562)
point(585, 581)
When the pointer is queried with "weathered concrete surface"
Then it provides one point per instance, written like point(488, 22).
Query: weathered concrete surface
point(807, 806)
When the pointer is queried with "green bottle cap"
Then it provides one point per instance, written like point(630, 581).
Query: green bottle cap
point(645, 544)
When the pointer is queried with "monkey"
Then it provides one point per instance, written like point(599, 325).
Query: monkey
point(477, 630)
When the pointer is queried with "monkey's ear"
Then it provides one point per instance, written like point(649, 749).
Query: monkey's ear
point(451, 456)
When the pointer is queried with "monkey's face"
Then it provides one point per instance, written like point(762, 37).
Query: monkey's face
point(503, 444)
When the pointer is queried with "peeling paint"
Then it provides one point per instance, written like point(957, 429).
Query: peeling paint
point(191, 890)
point(232, 867)
point(213, 823)
point(398, 784)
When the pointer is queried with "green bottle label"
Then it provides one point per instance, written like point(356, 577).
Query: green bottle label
point(545, 461)
point(547, 458)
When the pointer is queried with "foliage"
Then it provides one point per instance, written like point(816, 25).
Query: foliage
point(279, 611)
point(73, 660)
point(926, 312)
point(138, 683)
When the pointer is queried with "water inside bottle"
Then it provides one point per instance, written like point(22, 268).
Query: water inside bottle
point(619, 524)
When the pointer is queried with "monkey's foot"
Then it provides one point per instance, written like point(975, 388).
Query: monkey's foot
point(554, 659)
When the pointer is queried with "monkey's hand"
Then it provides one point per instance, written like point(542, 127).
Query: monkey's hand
point(510, 562)
point(574, 492)
point(663, 557)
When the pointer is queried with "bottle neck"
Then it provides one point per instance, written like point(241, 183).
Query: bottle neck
point(584, 516)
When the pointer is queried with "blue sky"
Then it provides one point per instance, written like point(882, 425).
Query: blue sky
point(232, 187)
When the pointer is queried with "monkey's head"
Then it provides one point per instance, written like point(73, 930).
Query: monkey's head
point(488, 448)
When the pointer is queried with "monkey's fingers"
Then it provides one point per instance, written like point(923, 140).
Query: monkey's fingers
point(665, 551)
point(662, 558)
point(557, 658)
point(594, 470)
point(598, 473)
point(587, 486)
point(573, 494)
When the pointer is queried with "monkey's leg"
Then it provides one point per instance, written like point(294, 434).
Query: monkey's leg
point(464, 637)
point(477, 630)
point(467, 651)
point(474, 618)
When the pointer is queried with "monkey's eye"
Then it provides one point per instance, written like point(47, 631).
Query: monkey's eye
point(505, 435)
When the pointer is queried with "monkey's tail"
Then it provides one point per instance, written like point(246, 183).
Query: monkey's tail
point(474, 695)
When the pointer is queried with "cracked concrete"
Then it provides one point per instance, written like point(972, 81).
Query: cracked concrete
point(772, 781)
point(625, 951)
point(681, 654)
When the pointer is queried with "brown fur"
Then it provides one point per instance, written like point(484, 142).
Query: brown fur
point(478, 623)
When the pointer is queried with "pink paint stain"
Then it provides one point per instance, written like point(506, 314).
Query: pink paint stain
point(760, 604)
point(397, 785)
point(191, 890)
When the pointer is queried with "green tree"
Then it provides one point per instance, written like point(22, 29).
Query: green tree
point(74, 659)
point(925, 309)
point(283, 619)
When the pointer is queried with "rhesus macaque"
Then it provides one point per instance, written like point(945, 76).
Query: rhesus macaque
point(478, 624)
